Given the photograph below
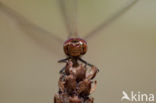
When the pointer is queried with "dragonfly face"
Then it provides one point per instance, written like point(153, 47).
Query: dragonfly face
point(75, 47)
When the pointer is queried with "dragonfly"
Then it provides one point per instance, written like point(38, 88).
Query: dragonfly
point(75, 46)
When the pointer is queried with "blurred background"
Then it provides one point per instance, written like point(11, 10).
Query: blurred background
point(125, 50)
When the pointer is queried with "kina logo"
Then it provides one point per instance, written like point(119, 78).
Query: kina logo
point(137, 97)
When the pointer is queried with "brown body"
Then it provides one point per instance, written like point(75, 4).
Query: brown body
point(75, 84)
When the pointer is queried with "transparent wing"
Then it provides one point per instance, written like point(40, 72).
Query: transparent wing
point(69, 12)
point(111, 18)
point(44, 38)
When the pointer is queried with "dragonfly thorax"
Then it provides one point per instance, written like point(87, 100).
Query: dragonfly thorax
point(75, 47)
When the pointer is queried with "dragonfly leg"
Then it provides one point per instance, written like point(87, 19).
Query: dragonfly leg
point(63, 60)
point(62, 70)
point(86, 63)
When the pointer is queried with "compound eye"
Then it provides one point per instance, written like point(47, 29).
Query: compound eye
point(66, 50)
point(84, 47)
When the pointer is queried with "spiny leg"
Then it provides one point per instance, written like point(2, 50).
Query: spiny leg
point(63, 60)
point(86, 63)
point(62, 70)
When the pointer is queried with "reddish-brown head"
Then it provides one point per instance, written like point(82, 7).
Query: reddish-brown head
point(75, 47)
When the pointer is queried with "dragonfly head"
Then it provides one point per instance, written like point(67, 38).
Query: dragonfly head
point(75, 47)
